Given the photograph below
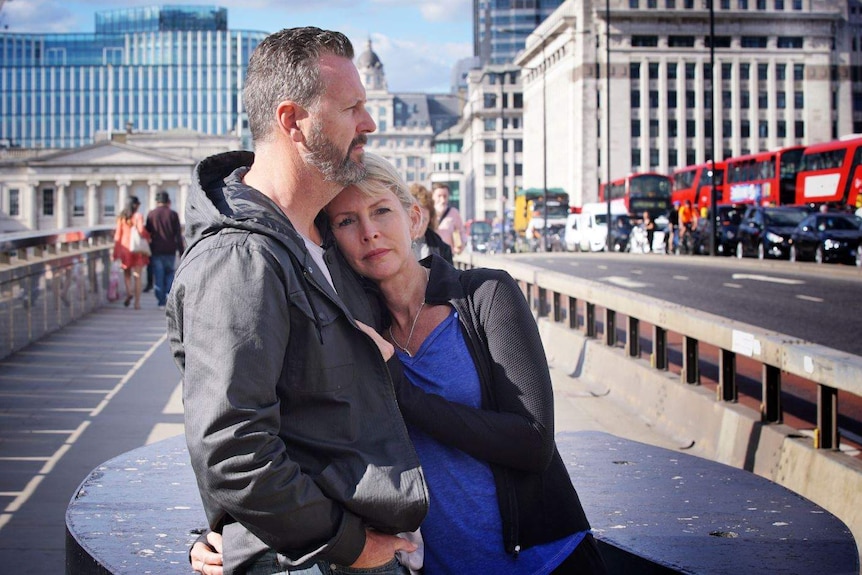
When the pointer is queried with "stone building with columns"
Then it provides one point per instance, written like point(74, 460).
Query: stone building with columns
point(88, 186)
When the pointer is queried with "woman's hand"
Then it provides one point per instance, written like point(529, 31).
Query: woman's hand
point(386, 348)
point(207, 559)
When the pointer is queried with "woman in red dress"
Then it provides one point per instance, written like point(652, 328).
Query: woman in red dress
point(131, 262)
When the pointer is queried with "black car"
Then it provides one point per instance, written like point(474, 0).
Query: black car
point(827, 237)
point(765, 231)
point(728, 219)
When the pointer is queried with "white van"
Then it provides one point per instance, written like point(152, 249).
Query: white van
point(588, 230)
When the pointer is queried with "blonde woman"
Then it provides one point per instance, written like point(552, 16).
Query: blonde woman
point(132, 263)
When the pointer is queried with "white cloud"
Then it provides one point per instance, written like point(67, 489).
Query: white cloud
point(411, 64)
point(38, 16)
point(435, 10)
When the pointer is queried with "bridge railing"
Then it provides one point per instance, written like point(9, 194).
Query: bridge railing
point(48, 279)
point(559, 296)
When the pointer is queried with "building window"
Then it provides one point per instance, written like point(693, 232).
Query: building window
point(780, 100)
point(490, 193)
point(670, 4)
point(653, 98)
point(633, 4)
point(490, 146)
point(490, 124)
point(726, 129)
point(744, 71)
point(779, 4)
point(48, 202)
point(690, 157)
point(653, 157)
point(763, 129)
point(671, 128)
point(753, 41)
point(799, 128)
point(781, 129)
point(636, 157)
point(690, 130)
point(689, 99)
point(762, 100)
point(726, 71)
point(519, 169)
point(725, 4)
point(671, 71)
point(636, 98)
point(518, 100)
point(680, 41)
point(789, 42)
point(797, 5)
point(798, 100)
point(671, 99)
point(653, 128)
point(671, 157)
point(763, 71)
point(518, 145)
point(14, 202)
point(799, 72)
point(720, 41)
point(781, 72)
point(636, 128)
point(78, 202)
point(761, 4)
point(644, 41)
point(490, 169)
point(653, 70)
point(634, 70)
point(490, 101)
point(743, 4)
point(688, 4)
point(744, 99)
point(689, 71)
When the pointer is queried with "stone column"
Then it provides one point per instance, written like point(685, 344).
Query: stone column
point(93, 202)
point(30, 205)
point(154, 184)
point(62, 204)
point(122, 193)
point(180, 206)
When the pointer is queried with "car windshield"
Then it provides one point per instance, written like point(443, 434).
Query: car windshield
point(839, 223)
point(784, 217)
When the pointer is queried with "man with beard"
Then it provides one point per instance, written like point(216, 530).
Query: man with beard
point(301, 456)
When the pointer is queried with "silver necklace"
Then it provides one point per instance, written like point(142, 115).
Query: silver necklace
point(410, 335)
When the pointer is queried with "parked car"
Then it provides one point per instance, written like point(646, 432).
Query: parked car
point(728, 220)
point(827, 237)
point(765, 231)
point(587, 229)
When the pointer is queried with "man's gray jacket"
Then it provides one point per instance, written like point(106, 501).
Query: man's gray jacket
point(291, 420)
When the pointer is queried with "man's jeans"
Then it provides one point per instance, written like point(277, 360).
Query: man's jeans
point(164, 266)
point(268, 565)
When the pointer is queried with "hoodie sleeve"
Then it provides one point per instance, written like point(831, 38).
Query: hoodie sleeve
point(229, 326)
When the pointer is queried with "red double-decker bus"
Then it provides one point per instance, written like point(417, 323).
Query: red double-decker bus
point(831, 172)
point(695, 183)
point(643, 192)
point(764, 177)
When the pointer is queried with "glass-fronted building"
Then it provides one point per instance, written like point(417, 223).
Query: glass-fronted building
point(501, 27)
point(143, 69)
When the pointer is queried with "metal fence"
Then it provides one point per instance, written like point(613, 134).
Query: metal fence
point(48, 279)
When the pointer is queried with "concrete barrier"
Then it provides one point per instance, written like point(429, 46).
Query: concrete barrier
point(728, 433)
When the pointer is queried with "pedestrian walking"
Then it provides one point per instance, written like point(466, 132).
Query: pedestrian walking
point(166, 244)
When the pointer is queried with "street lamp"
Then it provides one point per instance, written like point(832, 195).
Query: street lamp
point(609, 240)
point(712, 199)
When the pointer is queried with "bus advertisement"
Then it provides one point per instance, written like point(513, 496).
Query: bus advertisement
point(764, 177)
point(831, 173)
point(642, 192)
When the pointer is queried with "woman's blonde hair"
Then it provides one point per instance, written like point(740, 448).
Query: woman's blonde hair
point(426, 200)
point(381, 175)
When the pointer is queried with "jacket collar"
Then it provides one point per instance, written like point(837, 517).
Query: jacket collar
point(444, 282)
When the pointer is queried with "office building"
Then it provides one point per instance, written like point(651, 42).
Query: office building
point(146, 69)
point(501, 27)
point(785, 72)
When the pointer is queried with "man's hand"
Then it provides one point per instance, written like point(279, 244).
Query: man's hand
point(386, 348)
point(208, 559)
point(380, 549)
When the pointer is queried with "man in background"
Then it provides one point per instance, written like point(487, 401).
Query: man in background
point(450, 226)
point(167, 242)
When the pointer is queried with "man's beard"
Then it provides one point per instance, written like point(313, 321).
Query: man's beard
point(324, 155)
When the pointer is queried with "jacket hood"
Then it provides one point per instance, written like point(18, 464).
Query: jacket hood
point(219, 199)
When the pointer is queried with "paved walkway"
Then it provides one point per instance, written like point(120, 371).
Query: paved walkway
point(106, 385)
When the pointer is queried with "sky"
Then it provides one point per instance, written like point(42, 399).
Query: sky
point(418, 41)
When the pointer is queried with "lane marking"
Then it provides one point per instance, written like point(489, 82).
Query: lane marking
point(625, 282)
point(809, 298)
point(737, 286)
point(683, 278)
point(770, 279)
